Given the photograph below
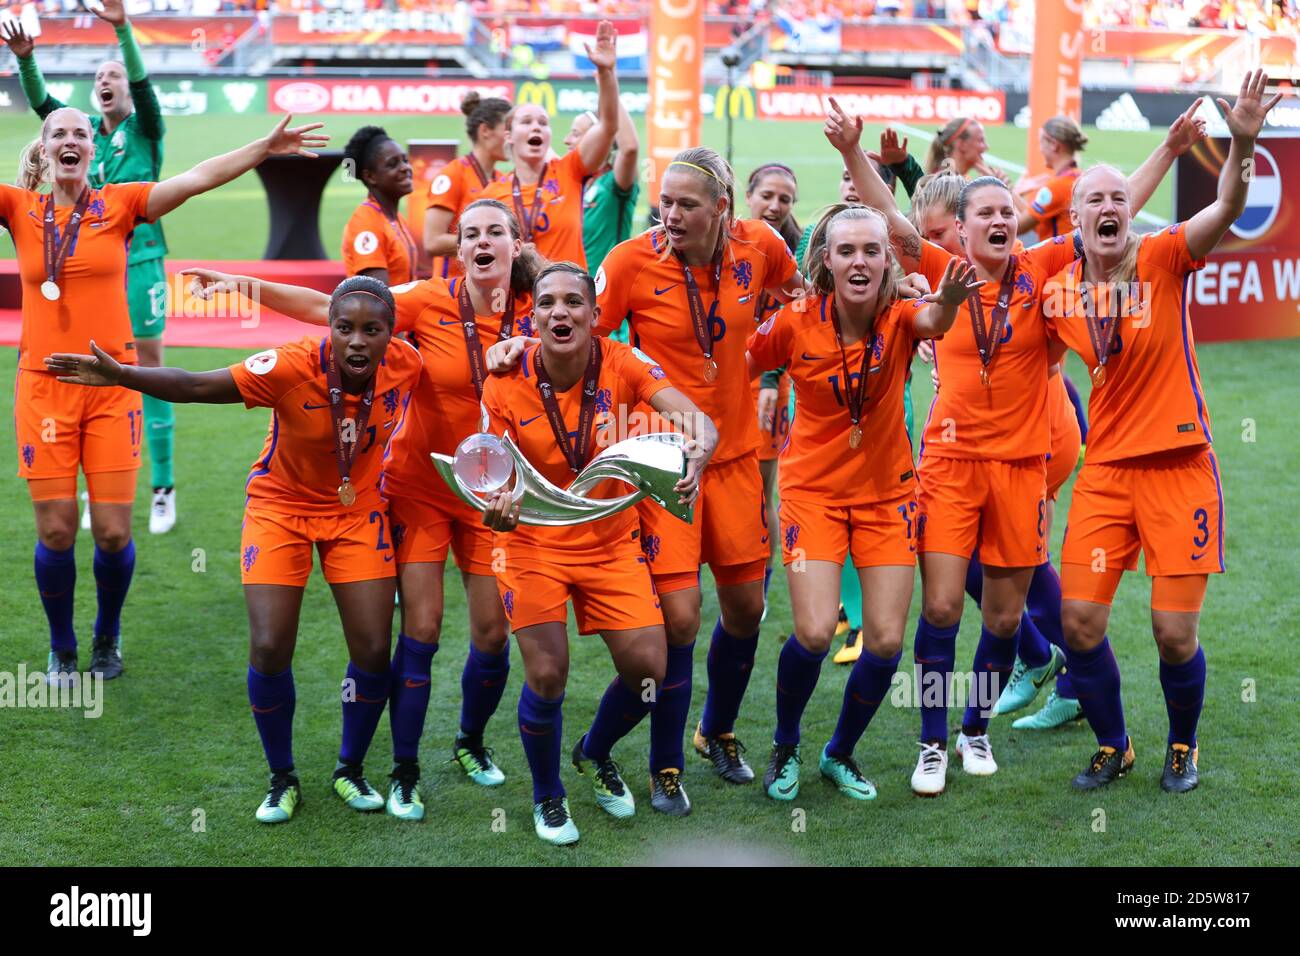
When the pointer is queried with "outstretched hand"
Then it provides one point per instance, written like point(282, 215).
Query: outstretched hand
point(957, 284)
point(891, 153)
point(112, 11)
point(205, 283)
point(1245, 118)
point(605, 53)
point(298, 141)
point(843, 131)
point(503, 356)
point(1186, 131)
point(17, 39)
point(100, 369)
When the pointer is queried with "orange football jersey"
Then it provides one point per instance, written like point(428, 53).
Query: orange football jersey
point(297, 472)
point(817, 463)
point(444, 408)
point(557, 231)
point(512, 404)
point(92, 283)
point(1152, 399)
point(1007, 419)
point(1051, 204)
point(642, 281)
point(373, 241)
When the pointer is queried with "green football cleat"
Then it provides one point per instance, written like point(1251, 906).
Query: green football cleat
point(471, 756)
point(553, 823)
point(781, 782)
point(612, 794)
point(281, 800)
point(846, 776)
point(404, 793)
point(353, 789)
point(1057, 712)
point(1026, 682)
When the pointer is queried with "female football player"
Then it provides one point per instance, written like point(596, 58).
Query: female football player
point(71, 245)
point(316, 484)
point(1151, 481)
point(376, 240)
point(572, 378)
point(848, 486)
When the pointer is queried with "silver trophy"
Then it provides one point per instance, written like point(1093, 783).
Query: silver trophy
point(651, 464)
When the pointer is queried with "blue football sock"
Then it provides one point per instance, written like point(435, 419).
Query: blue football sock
point(1184, 687)
point(797, 669)
point(994, 657)
point(621, 708)
point(1095, 675)
point(408, 702)
point(113, 573)
point(975, 580)
point(482, 683)
point(670, 709)
point(731, 661)
point(1077, 401)
point(272, 698)
point(934, 650)
point(867, 686)
point(56, 580)
point(1031, 646)
point(1044, 603)
point(362, 708)
point(1064, 686)
point(767, 579)
point(541, 723)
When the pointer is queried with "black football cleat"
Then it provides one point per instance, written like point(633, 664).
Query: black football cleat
point(667, 795)
point(1180, 774)
point(106, 657)
point(1107, 766)
point(724, 752)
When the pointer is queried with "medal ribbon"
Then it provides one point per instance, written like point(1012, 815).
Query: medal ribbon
point(335, 383)
point(469, 322)
point(526, 221)
point(855, 398)
point(576, 457)
point(1101, 334)
point(987, 340)
point(478, 169)
point(56, 250)
point(700, 318)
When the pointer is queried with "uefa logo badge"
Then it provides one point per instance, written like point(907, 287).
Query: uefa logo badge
point(1263, 200)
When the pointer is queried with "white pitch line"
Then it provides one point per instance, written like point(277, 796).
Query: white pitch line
point(1011, 166)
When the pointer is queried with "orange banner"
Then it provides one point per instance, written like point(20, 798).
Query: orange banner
point(1054, 87)
point(676, 67)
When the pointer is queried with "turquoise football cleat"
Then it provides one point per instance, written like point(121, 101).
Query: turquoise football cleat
point(1057, 712)
point(846, 776)
point(781, 782)
point(281, 800)
point(553, 822)
point(353, 789)
point(476, 760)
point(1026, 682)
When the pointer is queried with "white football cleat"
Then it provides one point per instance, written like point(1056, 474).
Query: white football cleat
point(85, 511)
point(162, 512)
point(931, 773)
point(976, 755)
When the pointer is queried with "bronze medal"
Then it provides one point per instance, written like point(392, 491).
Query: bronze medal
point(855, 436)
point(984, 377)
point(710, 371)
point(1098, 376)
point(1102, 330)
point(347, 494)
point(344, 451)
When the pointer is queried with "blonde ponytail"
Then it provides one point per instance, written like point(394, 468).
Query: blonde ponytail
point(33, 168)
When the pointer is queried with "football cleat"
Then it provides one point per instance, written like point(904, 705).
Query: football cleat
point(85, 512)
point(353, 789)
point(106, 657)
point(61, 668)
point(162, 511)
point(931, 773)
point(724, 752)
point(1057, 712)
point(1180, 773)
point(553, 823)
point(842, 623)
point(476, 760)
point(281, 800)
point(612, 794)
point(1107, 765)
point(781, 782)
point(852, 649)
point(404, 793)
point(846, 776)
point(976, 755)
point(667, 794)
point(1026, 682)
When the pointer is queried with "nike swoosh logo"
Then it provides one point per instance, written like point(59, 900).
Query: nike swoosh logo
point(151, 321)
point(787, 789)
point(387, 558)
point(416, 684)
point(264, 710)
point(388, 424)
point(449, 321)
point(525, 422)
point(1197, 557)
point(367, 700)
point(659, 291)
point(810, 358)
point(309, 406)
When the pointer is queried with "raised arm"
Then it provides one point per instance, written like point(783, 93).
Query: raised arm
point(295, 301)
point(219, 170)
point(1184, 133)
point(958, 282)
point(169, 384)
point(898, 159)
point(629, 150)
point(29, 73)
point(595, 143)
point(844, 133)
point(1245, 119)
point(148, 112)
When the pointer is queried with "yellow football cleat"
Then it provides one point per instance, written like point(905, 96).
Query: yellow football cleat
point(852, 648)
point(843, 626)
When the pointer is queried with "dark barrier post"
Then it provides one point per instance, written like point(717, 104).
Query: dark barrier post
point(294, 185)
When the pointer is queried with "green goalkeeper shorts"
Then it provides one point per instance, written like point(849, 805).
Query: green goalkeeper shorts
point(146, 297)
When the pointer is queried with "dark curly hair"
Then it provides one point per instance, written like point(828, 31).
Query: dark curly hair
point(367, 285)
point(363, 145)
